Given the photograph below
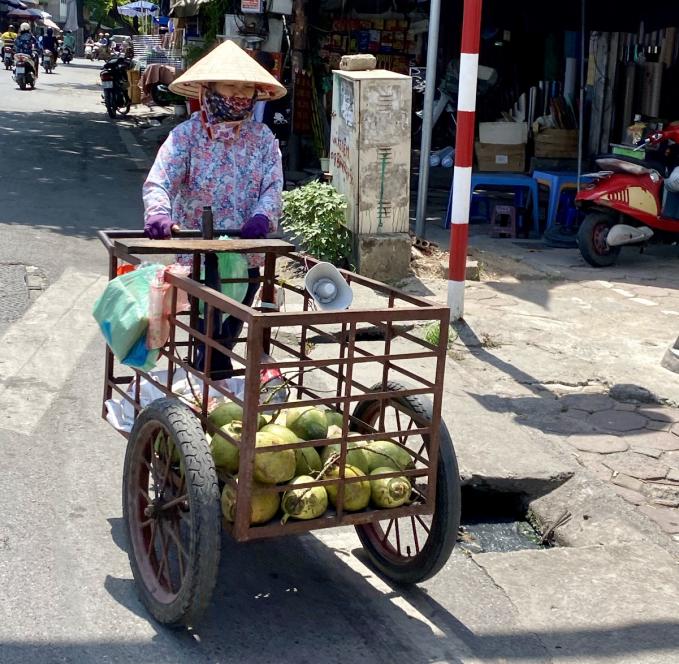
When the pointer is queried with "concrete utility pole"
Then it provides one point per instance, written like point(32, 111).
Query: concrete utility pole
point(427, 118)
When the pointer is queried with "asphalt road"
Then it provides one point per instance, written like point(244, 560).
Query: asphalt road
point(66, 592)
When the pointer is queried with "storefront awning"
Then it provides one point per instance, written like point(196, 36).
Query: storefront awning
point(185, 8)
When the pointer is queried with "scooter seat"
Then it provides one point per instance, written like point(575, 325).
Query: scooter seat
point(623, 164)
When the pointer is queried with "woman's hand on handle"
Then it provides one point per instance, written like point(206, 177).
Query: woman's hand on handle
point(255, 228)
point(159, 227)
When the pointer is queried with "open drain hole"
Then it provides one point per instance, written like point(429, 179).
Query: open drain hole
point(494, 521)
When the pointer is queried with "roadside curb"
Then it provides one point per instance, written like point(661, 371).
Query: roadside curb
point(137, 154)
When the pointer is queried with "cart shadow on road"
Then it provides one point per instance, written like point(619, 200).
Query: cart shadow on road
point(303, 599)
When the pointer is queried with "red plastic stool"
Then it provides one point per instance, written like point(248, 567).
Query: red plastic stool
point(503, 221)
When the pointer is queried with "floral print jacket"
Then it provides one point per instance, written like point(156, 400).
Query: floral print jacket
point(238, 173)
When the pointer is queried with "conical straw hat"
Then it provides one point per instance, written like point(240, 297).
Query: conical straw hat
point(228, 63)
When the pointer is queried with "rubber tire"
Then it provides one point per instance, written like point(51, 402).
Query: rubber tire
point(586, 241)
point(202, 485)
point(21, 81)
point(157, 95)
point(110, 106)
point(446, 520)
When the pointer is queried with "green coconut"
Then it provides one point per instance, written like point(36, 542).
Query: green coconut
point(336, 432)
point(282, 432)
point(227, 412)
point(389, 491)
point(309, 503)
point(384, 453)
point(333, 418)
point(225, 453)
point(355, 455)
point(263, 504)
point(307, 460)
point(308, 423)
point(273, 467)
point(356, 494)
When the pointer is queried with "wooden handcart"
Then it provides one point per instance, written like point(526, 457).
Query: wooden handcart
point(350, 361)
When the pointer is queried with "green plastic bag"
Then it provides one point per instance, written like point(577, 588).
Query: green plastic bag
point(122, 314)
point(231, 266)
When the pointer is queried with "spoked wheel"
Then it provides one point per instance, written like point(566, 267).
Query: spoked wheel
point(414, 548)
point(171, 507)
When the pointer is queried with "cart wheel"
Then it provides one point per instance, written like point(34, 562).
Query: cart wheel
point(172, 512)
point(414, 548)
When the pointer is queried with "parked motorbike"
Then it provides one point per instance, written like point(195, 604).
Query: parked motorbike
point(627, 203)
point(89, 51)
point(48, 61)
point(113, 77)
point(66, 54)
point(25, 71)
point(8, 56)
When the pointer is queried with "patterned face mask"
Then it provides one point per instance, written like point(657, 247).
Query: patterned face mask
point(218, 108)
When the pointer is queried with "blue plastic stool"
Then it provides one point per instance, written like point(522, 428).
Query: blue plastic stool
point(512, 181)
point(556, 182)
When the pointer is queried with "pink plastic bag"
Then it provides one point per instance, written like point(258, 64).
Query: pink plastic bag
point(160, 305)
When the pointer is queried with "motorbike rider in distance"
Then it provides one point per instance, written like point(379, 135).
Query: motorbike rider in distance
point(9, 36)
point(69, 40)
point(27, 44)
point(49, 43)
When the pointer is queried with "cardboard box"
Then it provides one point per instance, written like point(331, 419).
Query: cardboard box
point(491, 157)
point(134, 90)
point(503, 133)
point(557, 144)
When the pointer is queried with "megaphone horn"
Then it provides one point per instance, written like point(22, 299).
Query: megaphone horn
point(328, 288)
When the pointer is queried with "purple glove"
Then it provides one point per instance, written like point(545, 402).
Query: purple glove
point(255, 228)
point(158, 227)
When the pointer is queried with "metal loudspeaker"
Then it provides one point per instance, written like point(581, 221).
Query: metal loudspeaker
point(328, 288)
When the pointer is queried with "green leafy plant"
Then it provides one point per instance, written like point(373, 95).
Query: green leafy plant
point(314, 216)
point(432, 334)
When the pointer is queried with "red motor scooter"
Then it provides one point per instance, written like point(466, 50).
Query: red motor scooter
point(624, 203)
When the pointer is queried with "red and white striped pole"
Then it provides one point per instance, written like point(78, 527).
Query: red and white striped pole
point(464, 155)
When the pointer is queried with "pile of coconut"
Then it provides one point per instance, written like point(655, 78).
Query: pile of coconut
point(369, 460)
